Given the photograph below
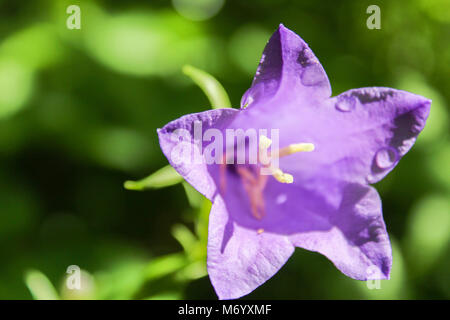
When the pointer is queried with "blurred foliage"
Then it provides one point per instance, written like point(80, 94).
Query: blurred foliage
point(164, 177)
point(79, 111)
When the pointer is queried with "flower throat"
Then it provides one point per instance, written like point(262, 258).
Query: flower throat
point(254, 181)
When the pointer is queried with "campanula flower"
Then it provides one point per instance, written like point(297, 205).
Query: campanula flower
point(309, 185)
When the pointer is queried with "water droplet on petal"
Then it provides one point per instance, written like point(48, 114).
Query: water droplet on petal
point(346, 104)
point(371, 179)
point(281, 198)
point(247, 99)
point(255, 93)
point(386, 157)
point(312, 75)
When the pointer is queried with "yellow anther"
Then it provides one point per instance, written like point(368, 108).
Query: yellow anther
point(255, 182)
point(282, 177)
point(260, 231)
point(294, 148)
point(264, 142)
point(265, 157)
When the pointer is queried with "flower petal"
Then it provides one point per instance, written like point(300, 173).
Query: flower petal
point(356, 240)
point(340, 220)
point(182, 146)
point(388, 123)
point(240, 259)
point(289, 66)
point(359, 136)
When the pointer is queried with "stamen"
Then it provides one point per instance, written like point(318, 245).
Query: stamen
point(294, 148)
point(263, 154)
point(264, 142)
point(255, 182)
point(260, 231)
point(282, 177)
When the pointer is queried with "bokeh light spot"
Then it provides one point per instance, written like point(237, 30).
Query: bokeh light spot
point(428, 228)
point(16, 84)
point(247, 45)
point(198, 10)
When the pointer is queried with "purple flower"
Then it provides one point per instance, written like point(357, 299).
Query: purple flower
point(320, 200)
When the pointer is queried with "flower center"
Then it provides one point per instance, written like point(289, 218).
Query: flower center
point(266, 157)
point(254, 179)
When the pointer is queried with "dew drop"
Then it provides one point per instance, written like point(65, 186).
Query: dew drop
point(312, 75)
point(247, 99)
point(346, 104)
point(386, 157)
point(281, 198)
point(371, 179)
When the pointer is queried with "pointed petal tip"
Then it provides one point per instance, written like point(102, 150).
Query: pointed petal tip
point(283, 29)
point(427, 104)
point(423, 100)
point(382, 276)
point(160, 132)
point(224, 293)
point(423, 108)
point(386, 271)
point(228, 296)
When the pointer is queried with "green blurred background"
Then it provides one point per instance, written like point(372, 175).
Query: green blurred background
point(78, 116)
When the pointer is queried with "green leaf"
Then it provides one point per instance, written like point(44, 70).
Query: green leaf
point(201, 226)
point(164, 177)
point(194, 197)
point(169, 295)
point(218, 97)
point(122, 279)
point(88, 287)
point(162, 266)
point(193, 271)
point(40, 286)
point(212, 88)
point(185, 237)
